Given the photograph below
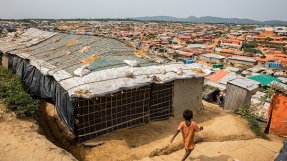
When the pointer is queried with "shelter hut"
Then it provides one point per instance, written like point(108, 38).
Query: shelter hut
point(220, 78)
point(212, 58)
point(239, 92)
point(277, 113)
point(239, 61)
point(99, 85)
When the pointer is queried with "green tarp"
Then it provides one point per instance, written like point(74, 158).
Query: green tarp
point(264, 79)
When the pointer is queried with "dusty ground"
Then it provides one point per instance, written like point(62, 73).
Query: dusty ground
point(20, 141)
point(225, 137)
point(241, 150)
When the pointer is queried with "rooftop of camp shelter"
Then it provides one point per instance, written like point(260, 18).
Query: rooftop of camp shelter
point(264, 79)
point(243, 58)
point(60, 55)
point(210, 55)
point(218, 75)
point(245, 83)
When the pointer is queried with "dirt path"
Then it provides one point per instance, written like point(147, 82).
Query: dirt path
point(225, 136)
point(242, 150)
point(20, 141)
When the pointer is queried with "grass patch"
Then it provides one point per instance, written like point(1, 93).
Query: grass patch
point(15, 96)
point(245, 112)
point(209, 88)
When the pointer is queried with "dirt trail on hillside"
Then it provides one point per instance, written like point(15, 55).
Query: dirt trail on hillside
point(225, 137)
point(20, 141)
point(241, 150)
point(220, 129)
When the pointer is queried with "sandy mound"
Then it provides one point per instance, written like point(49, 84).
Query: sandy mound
point(19, 140)
point(242, 150)
point(228, 127)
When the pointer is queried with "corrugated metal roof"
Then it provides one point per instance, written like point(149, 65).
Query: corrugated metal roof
point(228, 77)
point(280, 85)
point(283, 79)
point(242, 59)
point(196, 46)
point(215, 84)
point(212, 56)
point(232, 69)
point(244, 83)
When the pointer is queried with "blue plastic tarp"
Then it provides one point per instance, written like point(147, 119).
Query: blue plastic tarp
point(274, 65)
point(188, 61)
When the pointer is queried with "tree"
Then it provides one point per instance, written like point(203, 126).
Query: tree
point(252, 44)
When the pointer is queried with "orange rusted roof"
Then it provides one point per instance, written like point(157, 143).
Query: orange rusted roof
point(276, 58)
point(260, 37)
point(278, 42)
point(210, 50)
point(185, 53)
point(218, 75)
point(227, 51)
point(282, 59)
point(262, 59)
point(240, 39)
point(281, 55)
point(278, 52)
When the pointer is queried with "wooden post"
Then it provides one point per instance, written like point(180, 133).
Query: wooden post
point(5, 60)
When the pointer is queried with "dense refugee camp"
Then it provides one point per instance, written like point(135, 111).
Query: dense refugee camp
point(130, 81)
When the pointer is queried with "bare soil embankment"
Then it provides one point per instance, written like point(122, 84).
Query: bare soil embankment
point(20, 141)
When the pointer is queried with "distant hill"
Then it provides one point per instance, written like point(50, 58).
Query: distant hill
point(210, 19)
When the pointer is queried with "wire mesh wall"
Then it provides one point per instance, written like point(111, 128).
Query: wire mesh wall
point(107, 114)
point(126, 109)
point(161, 101)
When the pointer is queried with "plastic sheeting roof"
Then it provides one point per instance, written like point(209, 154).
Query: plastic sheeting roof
point(30, 37)
point(264, 79)
point(61, 54)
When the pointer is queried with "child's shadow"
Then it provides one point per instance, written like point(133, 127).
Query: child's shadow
point(206, 158)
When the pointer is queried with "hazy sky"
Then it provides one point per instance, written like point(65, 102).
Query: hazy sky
point(253, 9)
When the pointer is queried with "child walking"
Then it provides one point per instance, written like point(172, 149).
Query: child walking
point(188, 129)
